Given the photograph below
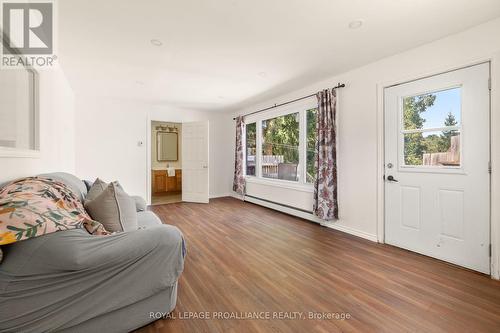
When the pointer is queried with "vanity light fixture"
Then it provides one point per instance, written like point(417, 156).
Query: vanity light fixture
point(168, 128)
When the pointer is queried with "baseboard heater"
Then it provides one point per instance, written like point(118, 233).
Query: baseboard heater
point(277, 203)
point(306, 215)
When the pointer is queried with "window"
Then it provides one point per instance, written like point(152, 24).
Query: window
point(431, 129)
point(280, 147)
point(18, 111)
point(311, 119)
point(251, 144)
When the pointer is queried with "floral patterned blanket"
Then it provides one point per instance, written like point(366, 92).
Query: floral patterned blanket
point(35, 206)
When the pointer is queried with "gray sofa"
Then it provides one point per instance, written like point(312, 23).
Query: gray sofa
point(71, 281)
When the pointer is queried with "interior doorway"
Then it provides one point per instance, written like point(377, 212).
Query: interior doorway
point(166, 162)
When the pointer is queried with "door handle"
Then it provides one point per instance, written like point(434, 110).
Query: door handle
point(392, 179)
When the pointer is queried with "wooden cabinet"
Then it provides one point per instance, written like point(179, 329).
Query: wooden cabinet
point(171, 184)
point(162, 183)
point(174, 183)
point(159, 181)
point(178, 179)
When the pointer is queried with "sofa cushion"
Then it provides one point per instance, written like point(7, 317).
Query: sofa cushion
point(140, 203)
point(148, 219)
point(114, 209)
point(88, 184)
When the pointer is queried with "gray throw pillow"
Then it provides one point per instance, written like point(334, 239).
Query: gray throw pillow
point(97, 187)
point(114, 208)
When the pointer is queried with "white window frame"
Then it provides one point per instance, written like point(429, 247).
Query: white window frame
point(403, 167)
point(244, 138)
point(34, 125)
point(299, 107)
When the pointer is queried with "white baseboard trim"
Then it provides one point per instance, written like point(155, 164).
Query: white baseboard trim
point(213, 196)
point(351, 231)
point(237, 196)
point(311, 217)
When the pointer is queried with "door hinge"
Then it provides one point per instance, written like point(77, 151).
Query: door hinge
point(490, 250)
point(489, 167)
point(489, 84)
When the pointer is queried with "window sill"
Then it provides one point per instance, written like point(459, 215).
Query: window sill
point(281, 183)
point(12, 152)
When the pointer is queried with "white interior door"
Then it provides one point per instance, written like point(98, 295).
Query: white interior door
point(437, 153)
point(195, 162)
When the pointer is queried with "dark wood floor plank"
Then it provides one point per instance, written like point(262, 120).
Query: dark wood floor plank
point(246, 258)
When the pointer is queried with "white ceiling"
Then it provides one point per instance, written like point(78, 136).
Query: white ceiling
point(226, 54)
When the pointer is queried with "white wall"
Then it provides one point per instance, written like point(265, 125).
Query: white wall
point(57, 131)
point(357, 119)
point(109, 130)
point(107, 136)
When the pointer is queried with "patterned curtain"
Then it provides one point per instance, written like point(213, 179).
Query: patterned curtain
point(325, 186)
point(239, 178)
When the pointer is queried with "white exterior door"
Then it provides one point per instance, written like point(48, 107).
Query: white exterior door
point(437, 153)
point(195, 162)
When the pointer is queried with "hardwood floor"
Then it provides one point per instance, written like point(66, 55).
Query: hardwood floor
point(166, 199)
point(246, 258)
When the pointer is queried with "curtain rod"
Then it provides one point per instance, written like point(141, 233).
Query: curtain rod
point(340, 85)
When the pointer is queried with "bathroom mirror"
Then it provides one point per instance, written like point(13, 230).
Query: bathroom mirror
point(167, 146)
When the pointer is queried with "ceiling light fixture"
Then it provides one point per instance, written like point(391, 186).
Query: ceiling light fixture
point(156, 42)
point(355, 24)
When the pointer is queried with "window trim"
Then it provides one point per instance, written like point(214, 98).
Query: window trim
point(288, 184)
point(432, 129)
point(35, 125)
point(299, 107)
point(305, 145)
point(245, 151)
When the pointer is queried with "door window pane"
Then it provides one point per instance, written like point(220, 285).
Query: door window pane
point(438, 148)
point(311, 119)
point(280, 147)
point(433, 110)
point(251, 143)
point(431, 128)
